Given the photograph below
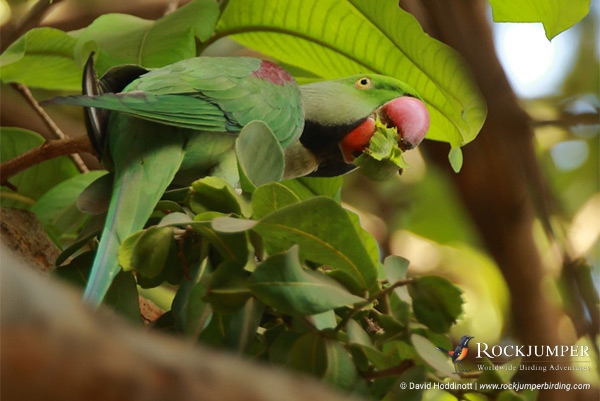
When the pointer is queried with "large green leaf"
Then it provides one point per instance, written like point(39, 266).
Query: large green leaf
point(51, 59)
point(335, 38)
point(126, 39)
point(556, 16)
point(42, 58)
point(282, 282)
point(326, 234)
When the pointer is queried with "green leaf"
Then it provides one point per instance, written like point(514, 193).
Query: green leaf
point(57, 209)
point(36, 180)
point(356, 334)
point(556, 16)
point(383, 158)
point(232, 225)
point(243, 325)
point(433, 356)
point(216, 195)
point(197, 312)
point(42, 58)
point(436, 302)
point(456, 159)
point(260, 156)
point(147, 251)
point(281, 282)
point(270, 198)
point(335, 38)
point(126, 39)
point(227, 290)
point(51, 59)
point(325, 234)
point(327, 359)
point(396, 268)
point(309, 187)
point(231, 246)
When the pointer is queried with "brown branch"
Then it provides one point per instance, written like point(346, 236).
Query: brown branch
point(569, 120)
point(47, 151)
point(52, 127)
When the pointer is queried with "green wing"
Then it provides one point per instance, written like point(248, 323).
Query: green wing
point(208, 94)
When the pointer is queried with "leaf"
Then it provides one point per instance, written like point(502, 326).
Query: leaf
point(198, 313)
point(147, 251)
point(260, 156)
point(36, 180)
point(323, 358)
point(271, 197)
point(325, 234)
point(556, 16)
point(232, 225)
point(227, 290)
point(335, 38)
point(243, 325)
point(51, 59)
point(434, 357)
point(216, 195)
point(42, 58)
point(126, 39)
point(282, 283)
point(309, 187)
point(356, 334)
point(231, 246)
point(436, 302)
point(396, 268)
point(57, 209)
point(456, 159)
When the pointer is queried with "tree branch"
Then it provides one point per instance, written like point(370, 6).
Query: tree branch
point(52, 127)
point(47, 151)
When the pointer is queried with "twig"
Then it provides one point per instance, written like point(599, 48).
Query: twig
point(54, 129)
point(31, 20)
point(358, 307)
point(569, 120)
point(49, 150)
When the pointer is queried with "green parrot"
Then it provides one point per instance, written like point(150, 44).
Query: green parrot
point(175, 124)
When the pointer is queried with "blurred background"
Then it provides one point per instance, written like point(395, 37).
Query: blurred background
point(519, 227)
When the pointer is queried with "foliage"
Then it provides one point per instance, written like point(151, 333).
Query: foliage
point(280, 272)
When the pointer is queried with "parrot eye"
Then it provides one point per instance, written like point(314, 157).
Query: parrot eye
point(364, 83)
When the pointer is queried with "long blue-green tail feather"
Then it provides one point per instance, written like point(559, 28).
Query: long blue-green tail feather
point(146, 168)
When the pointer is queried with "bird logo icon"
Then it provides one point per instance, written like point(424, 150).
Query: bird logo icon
point(459, 353)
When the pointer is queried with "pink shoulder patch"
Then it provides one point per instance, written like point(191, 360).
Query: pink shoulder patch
point(271, 72)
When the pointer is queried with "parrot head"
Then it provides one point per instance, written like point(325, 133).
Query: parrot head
point(340, 118)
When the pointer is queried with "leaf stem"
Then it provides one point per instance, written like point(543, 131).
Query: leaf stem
point(358, 307)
